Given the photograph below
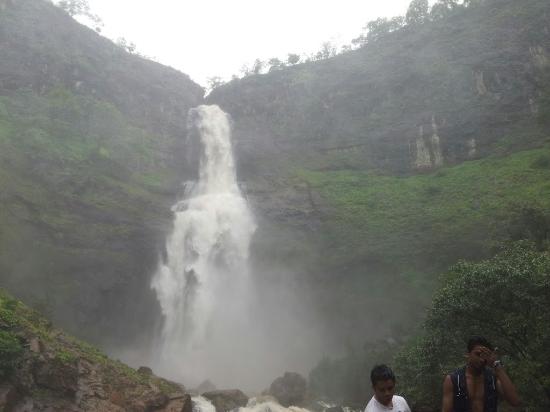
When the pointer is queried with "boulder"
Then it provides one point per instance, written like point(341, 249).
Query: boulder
point(58, 376)
point(145, 371)
point(206, 386)
point(8, 397)
point(226, 400)
point(181, 403)
point(289, 389)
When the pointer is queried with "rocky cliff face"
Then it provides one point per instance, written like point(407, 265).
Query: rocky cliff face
point(412, 100)
point(326, 149)
point(43, 48)
point(91, 156)
point(92, 152)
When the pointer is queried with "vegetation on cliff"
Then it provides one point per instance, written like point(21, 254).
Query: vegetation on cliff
point(42, 367)
point(91, 156)
point(506, 299)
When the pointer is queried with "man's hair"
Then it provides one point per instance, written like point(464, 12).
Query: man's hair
point(381, 373)
point(479, 341)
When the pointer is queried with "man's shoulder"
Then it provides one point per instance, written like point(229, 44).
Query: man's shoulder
point(371, 405)
point(400, 403)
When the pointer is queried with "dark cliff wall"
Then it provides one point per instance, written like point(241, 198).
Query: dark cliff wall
point(42, 47)
point(91, 156)
point(387, 164)
point(467, 79)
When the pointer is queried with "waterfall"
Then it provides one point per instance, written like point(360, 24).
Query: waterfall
point(202, 283)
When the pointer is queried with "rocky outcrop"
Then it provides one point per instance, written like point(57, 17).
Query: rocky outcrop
point(81, 385)
point(48, 370)
point(480, 83)
point(289, 389)
point(226, 400)
point(428, 153)
point(205, 386)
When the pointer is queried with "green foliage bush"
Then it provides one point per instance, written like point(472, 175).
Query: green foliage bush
point(445, 215)
point(507, 300)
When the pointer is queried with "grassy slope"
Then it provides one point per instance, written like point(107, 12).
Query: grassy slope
point(388, 237)
point(428, 216)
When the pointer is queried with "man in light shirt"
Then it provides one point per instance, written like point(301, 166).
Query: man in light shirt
point(384, 399)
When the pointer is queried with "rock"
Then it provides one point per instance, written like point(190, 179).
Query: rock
point(181, 403)
point(117, 398)
point(156, 401)
point(188, 404)
point(35, 345)
point(226, 400)
point(289, 389)
point(145, 371)
point(57, 376)
point(8, 397)
point(206, 386)
point(335, 409)
point(90, 384)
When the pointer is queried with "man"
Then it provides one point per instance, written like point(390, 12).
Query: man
point(477, 386)
point(384, 399)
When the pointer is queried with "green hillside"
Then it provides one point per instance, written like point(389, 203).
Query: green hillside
point(438, 217)
point(91, 158)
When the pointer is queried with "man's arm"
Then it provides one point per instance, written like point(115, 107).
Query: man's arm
point(504, 384)
point(506, 387)
point(447, 395)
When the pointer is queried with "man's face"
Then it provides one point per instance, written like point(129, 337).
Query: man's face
point(384, 391)
point(476, 357)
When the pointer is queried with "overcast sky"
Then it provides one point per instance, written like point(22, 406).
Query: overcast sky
point(206, 38)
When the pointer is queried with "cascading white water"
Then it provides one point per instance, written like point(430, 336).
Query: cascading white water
point(202, 283)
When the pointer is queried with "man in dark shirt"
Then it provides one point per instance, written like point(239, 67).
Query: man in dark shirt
point(476, 387)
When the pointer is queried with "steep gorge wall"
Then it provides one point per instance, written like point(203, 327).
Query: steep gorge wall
point(452, 89)
point(92, 151)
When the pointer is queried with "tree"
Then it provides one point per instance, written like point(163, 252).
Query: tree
point(469, 3)
point(380, 27)
point(418, 12)
point(80, 8)
point(215, 81)
point(293, 58)
point(246, 70)
point(129, 46)
point(345, 48)
point(327, 50)
point(506, 299)
point(442, 8)
point(376, 29)
point(275, 64)
point(75, 7)
point(257, 66)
